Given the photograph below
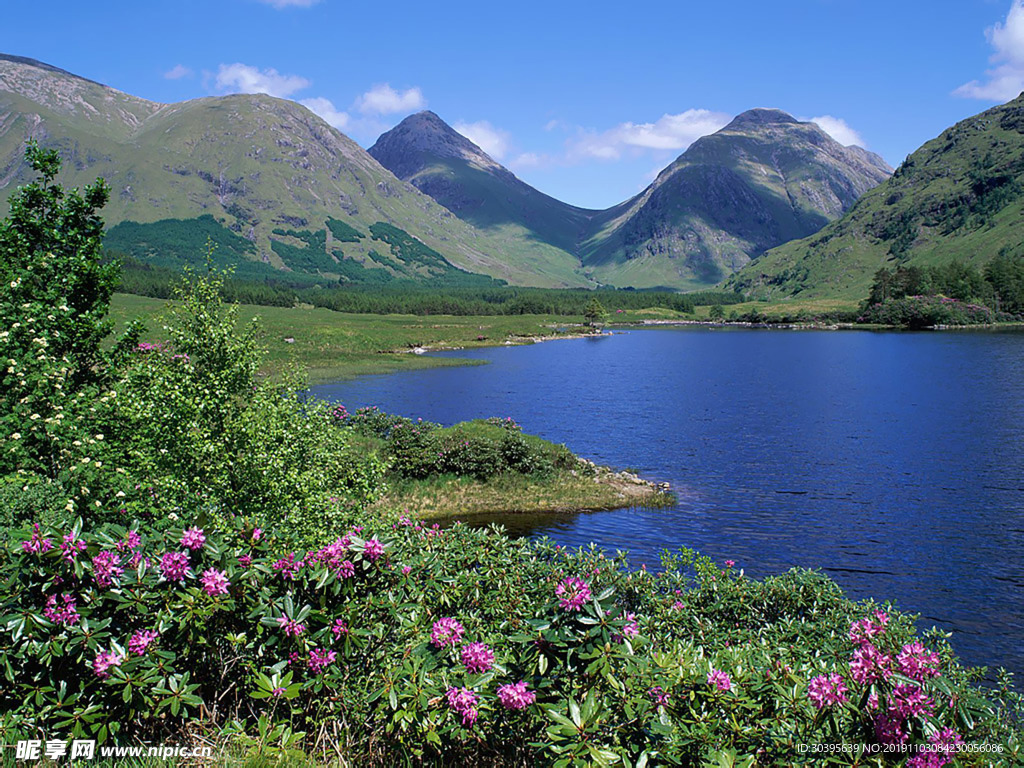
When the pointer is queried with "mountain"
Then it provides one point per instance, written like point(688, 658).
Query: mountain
point(280, 192)
point(960, 196)
point(764, 179)
point(429, 154)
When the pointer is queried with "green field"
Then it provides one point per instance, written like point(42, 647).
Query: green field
point(335, 345)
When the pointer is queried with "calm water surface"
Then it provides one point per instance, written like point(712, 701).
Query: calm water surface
point(892, 461)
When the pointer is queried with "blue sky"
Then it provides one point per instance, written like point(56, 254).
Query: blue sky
point(584, 100)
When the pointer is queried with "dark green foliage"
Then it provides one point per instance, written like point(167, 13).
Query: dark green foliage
point(176, 243)
point(595, 312)
point(344, 233)
point(946, 294)
point(308, 259)
point(1005, 274)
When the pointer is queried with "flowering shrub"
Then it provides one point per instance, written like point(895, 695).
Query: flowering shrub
point(462, 645)
point(928, 311)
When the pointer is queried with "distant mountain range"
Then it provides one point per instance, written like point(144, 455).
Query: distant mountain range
point(285, 196)
point(960, 196)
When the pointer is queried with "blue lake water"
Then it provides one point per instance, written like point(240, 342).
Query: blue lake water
point(894, 462)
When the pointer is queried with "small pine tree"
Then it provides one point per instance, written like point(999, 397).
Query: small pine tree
point(594, 313)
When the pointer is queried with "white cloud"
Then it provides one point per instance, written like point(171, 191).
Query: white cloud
point(281, 4)
point(528, 160)
point(1004, 81)
point(669, 132)
point(493, 141)
point(385, 100)
point(839, 130)
point(326, 109)
point(179, 71)
point(241, 78)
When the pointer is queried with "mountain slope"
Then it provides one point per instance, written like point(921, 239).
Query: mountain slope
point(266, 170)
point(762, 180)
point(961, 195)
point(426, 152)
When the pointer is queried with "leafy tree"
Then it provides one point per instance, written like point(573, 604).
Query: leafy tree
point(717, 312)
point(54, 297)
point(594, 313)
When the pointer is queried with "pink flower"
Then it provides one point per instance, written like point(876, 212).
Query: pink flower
point(245, 560)
point(632, 628)
point(372, 550)
point(516, 695)
point(215, 582)
point(345, 569)
point(291, 627)
point(320, 659)
point(477, 657)
point(446, 631)
point(720, 680)
point(288, 567)
point(339, 628)
point(944, 747)
point(174, 566)
point(103, 662)
point(257, 534)
point(730, 563)
point(66, 613)
point(193, 538)
point(406, 570)
point(277, 693)
point(572, 594)
point(658, 695)
point(141, 641)
point(464, 703)
point(890, 728)
point(917, 663)
point(827, 691)
point(71, 547)
point(131, 541)
point(37, 544)
point(677, 606)
point(910, 701)
point(106, 567)
point(869, 665)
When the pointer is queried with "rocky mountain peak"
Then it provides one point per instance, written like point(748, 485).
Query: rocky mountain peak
point(425, 132)
point(756, 118)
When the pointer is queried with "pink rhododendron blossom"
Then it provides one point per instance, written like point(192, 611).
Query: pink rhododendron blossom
point(290, 626)
point(910, 701)
point(917, 662)
point(63, 611)
point(827, 691)
point(632, 628)
point(245, 560)
point(288, 567)
point(372, 550)
point(193, 538)
point(106, 568)
point(572, 593)
point(130, 542)
point(890, 728)
point(257, 534)
point(730, 563)
point(446, 631)
point(464, 703)
point(141, 641)
point(174, 566)
point(320, 659)
point(215, 582)
point(339, 628)
point(720, 680)
point(869, 665)
point(477, 657)
point(71, 546)
point(406, 570)
point(37, 544)
point(277, 693)
point(658, 695)
point(516, 695)
point(103, 662)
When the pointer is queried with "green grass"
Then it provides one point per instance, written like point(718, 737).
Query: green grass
point(335, 345)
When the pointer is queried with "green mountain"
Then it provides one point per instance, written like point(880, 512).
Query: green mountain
point(960, 196)
point(429, 154)
point(280, 192)
point(764, 179)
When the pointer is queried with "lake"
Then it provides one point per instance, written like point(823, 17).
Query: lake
point(892, 461)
